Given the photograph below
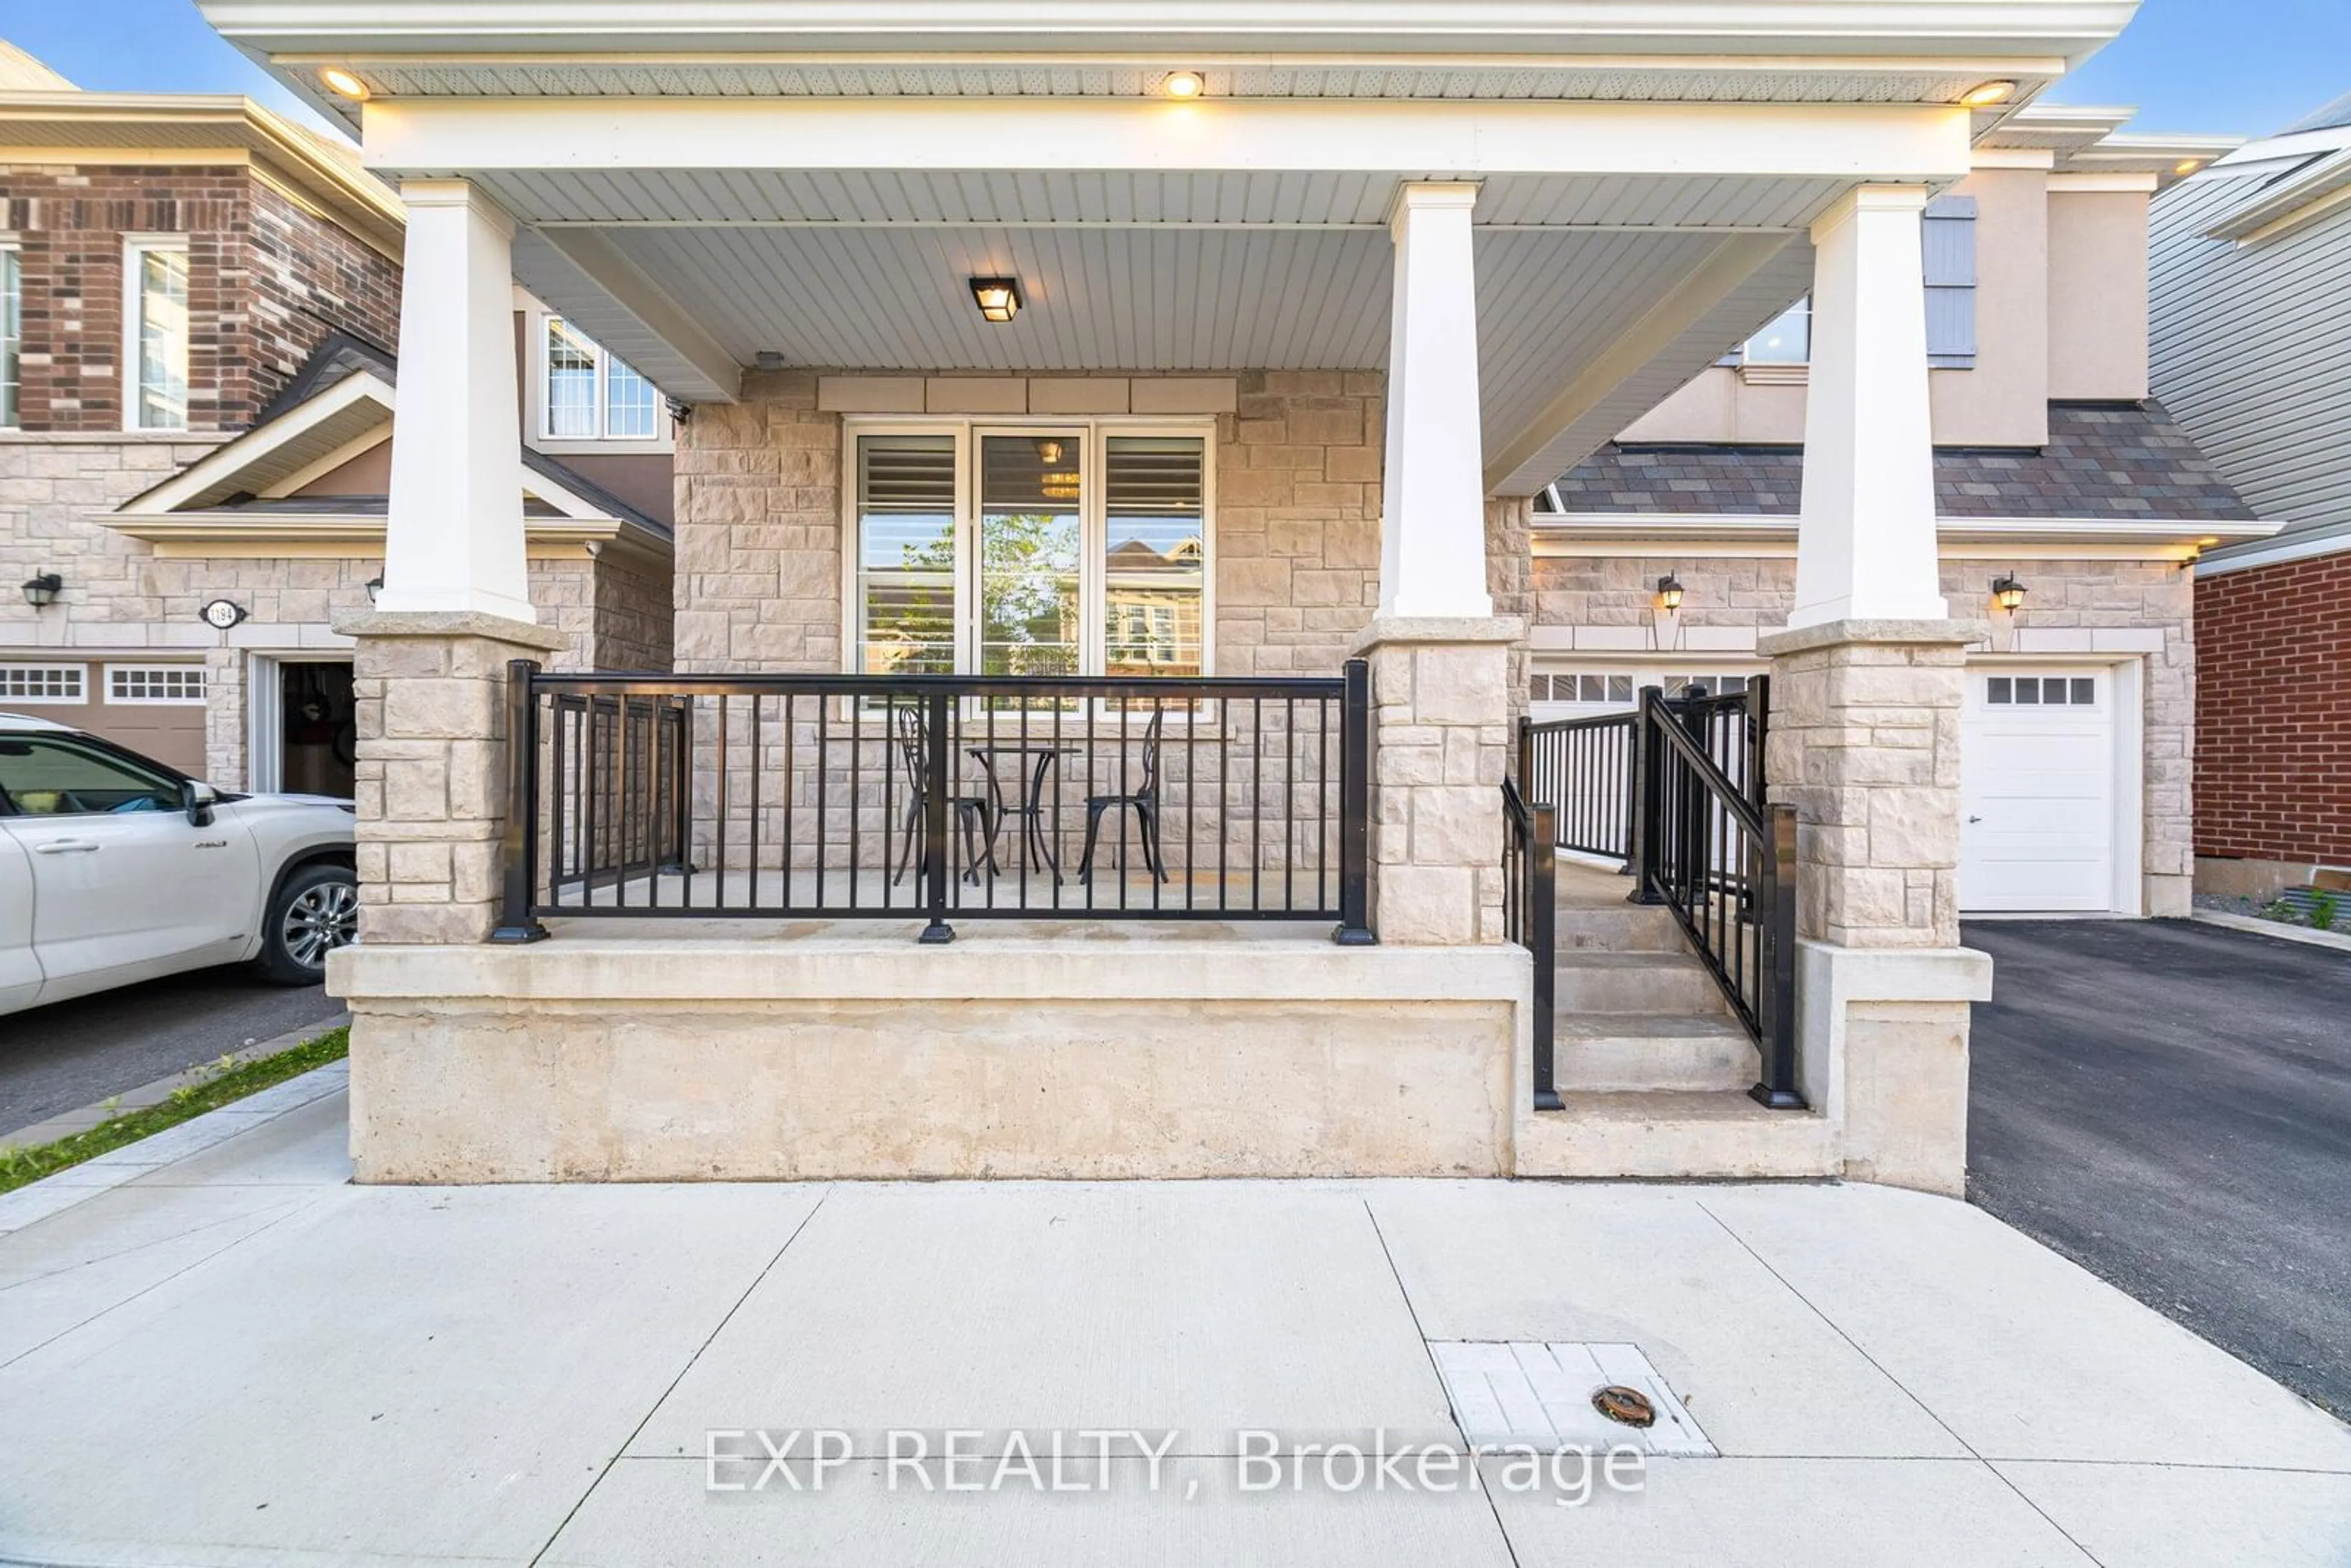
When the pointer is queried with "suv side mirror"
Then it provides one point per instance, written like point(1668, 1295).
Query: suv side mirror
point(197, 798)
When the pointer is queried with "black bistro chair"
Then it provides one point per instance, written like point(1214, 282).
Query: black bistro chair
point(971, 811)
point(1144, 799)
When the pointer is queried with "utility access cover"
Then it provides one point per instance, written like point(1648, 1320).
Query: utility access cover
point(1527, 1391)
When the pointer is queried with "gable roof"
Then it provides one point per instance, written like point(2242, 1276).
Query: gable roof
point(339, 403)
point(2114, 461)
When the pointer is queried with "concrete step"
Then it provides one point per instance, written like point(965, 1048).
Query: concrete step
point(1618, 928)
point(1678, 1134)
point(1624, 1051)
point(1591, 980)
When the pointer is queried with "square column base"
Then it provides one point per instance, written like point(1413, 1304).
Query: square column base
point(431, 779)
point(1440, 747)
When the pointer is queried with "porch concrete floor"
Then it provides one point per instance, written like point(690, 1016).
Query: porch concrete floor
point(237, 1357)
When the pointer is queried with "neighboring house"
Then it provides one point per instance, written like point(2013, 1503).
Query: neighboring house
point(2251, 312)
point(197, 301)
point(1000, 330)
point(2053, 468)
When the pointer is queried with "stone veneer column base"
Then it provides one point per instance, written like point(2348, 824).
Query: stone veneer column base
point(430, 782)
point(1440, 747)
point(1864, 743)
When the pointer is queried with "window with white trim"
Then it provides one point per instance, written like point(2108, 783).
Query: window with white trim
point(2041, 691)
point(173, 686)
point(1077, 548)
point(1946, 238)
point(1621, 687)
point(155, 332)
point(41, 684)
point(1787, 340)
point(12, 335)
point(589, 394)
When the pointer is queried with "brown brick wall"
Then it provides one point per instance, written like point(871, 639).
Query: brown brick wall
point(266, 282)
point(2273, 713)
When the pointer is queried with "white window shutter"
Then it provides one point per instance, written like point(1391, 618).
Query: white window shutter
point(1949, 236)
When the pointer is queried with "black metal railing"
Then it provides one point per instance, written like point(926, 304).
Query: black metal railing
point(1583, 768)
point(1676, 789)
point(850, 796)
point(1530, 919)
point(1724, 863)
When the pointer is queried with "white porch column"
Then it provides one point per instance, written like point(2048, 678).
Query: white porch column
point(454, 538)
point(1433, 503)
point(1866, 540)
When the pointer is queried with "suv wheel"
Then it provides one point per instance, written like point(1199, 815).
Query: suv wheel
point(316, 911)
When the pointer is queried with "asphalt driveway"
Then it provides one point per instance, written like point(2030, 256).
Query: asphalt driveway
point(71, 1054)
point(2170, 1104)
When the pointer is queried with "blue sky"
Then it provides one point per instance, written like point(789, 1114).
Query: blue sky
point(2241, 66)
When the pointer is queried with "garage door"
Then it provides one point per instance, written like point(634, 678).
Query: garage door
point(2037, 784)
point(155, 709)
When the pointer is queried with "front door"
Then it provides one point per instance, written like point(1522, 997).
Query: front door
point(124, 886)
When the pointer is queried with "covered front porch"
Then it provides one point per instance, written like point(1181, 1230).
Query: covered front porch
point(1143, 456)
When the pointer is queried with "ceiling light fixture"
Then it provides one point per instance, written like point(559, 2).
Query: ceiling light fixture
point(1985, 94)
point(1669, 594)
point(1183, 84)
point(343, 84)
point(999, 298)
point(2188, 165)
point(2007, 592)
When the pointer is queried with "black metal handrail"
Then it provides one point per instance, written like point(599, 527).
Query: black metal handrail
point(816, 796)
point(1581, 767)
point(1724, 863)
point(1531, 917)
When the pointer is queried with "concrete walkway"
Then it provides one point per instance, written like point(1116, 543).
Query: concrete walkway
point(235, 1357)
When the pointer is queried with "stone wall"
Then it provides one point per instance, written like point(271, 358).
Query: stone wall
point(266, 282)
point(1295, 557)
point(1728, 600)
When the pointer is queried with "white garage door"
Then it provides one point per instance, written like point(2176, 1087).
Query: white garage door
point(2037, 790)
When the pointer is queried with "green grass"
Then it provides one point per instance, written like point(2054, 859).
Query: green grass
point(224, 1086)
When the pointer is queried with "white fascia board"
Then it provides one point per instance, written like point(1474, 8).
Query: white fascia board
point(355, 28)
point(236, 457)
point(1683, 527)
point(1419, 138)
point(2304, 543)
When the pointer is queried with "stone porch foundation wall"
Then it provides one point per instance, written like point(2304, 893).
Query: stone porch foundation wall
point(1607, 605)
point(817, 1054)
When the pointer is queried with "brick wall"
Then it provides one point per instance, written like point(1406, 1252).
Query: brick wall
point(1729, 598)
point(266, 282)
point(2273, 713)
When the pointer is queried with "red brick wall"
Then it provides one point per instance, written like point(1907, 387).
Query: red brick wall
point(266, 282)
point(2273, 712)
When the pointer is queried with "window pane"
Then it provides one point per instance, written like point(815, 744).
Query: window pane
point(1539, 688)
point(2085, 692)
point(2028, 690)
point(12, 331)
point(1620, 689)
point(631, 407)
point(570, 381)
point(1996, 690)
point(1155, 571)
point(1788, 340)
point(163, 339)
point(906, 554)
point(63, 778)
point(1028, 543)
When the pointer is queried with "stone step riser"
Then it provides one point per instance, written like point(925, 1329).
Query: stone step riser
point(1654, 1135)
point(1667, 987)
point(1630, 929)
point(1621, 1064)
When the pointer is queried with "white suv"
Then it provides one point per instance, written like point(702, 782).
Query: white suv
point(114, 868)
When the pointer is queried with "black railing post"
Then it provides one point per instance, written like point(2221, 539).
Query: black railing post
point(518, 846)
point(1647, 799)
point(1354, 928)
point(1526, 758)
point(1759, 731)
point(938, 746)
point(1543, 937)
point(1776, 875)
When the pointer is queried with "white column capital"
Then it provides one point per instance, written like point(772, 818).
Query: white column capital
point(1910, 199)
point(1431, 196)
point(416, 193)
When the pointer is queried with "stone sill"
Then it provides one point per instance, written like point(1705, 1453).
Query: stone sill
point(719, 961)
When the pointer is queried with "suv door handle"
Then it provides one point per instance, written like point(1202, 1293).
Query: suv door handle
point(67, 847)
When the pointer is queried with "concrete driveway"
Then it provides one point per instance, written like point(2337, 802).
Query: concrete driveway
point(2169, 1105)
